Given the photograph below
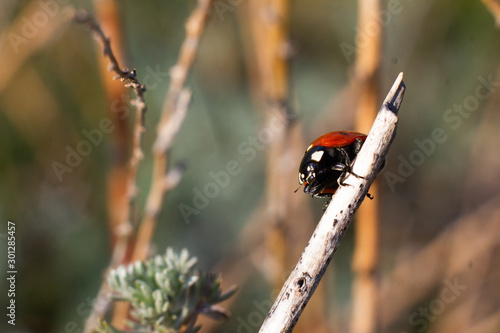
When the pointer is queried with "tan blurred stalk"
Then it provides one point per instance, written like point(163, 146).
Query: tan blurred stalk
point(122, 176)
point(16, 47)
point(365, 260)
point(18, 44)
point(494, 7)
point(119, 206)
point(268, 20)
point(118, 187)
point(288, 219)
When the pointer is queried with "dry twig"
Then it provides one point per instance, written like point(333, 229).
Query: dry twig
point(130, 80)
point(313, 262)
point(125, 227)
point(108, 16)
point(174, 110)
point(173, 114)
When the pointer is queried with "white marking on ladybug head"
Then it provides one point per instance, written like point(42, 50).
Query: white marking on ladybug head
point(317, 155)
point(302, 178)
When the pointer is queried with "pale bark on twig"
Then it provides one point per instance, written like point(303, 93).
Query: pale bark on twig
point(313, 262)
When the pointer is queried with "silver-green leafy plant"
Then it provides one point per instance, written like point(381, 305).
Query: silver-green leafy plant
point(167, 293)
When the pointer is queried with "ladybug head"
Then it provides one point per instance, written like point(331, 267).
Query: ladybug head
point(313, 171)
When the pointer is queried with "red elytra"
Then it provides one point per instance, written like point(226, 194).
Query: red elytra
point(338, 139)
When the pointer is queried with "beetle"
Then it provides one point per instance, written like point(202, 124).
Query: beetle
point(328, 160)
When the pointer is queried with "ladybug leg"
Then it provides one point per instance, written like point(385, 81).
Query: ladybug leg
point(355, 175)
point(346, 168)
point(357, 145)
point(357, 148)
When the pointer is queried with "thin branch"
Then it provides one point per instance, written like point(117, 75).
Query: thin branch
point(168, 130)
point(174, 108)
point(173, 114)
point(130, 80)
point(124, 74)
point(313, 262)
point(166, 179)
point(124, 231)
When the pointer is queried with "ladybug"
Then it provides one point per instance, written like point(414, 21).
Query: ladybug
point(328, 160)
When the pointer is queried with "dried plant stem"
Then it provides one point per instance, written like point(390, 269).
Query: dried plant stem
point(130, 80)
point(162, 180)
point(268, 22)
point(173, 113)
point(123, 227)
point(313, 262)
point(365, 258)
point(118, 175)
point(268, 27)
point(174, 109)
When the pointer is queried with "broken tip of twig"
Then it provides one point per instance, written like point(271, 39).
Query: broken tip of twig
point(395, 96)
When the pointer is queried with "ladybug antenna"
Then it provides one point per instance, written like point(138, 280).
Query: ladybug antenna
point(297, 189)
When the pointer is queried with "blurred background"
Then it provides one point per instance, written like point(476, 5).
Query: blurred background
point(268, 78)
